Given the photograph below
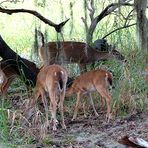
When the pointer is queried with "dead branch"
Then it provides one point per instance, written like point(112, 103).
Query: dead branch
point(108, 10)
point(128, 16)
point(57, 27)
point(88, 5)
point(91, 9)
point(118, 29)
point(84, 19)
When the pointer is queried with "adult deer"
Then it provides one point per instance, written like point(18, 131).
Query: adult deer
point(74, 52)
point(95, 80)
point(8, 74)
point(52, 79)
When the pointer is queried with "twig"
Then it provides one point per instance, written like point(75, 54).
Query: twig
point(118, 29)
point(126, 19)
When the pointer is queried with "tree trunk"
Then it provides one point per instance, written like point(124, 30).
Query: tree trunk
point(142, 23)
point(26, 69)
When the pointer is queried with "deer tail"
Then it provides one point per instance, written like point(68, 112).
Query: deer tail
point(109, 78)
point(42, 37)
point(61, 78)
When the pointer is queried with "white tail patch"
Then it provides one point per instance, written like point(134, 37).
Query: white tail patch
point(55, 73)
point(1, 78)
point(62, 72)
point(106, 77)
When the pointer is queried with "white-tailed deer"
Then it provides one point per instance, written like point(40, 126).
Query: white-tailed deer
point(75, 52)
point(95, 80)
point(8, 74)
point(52, 79)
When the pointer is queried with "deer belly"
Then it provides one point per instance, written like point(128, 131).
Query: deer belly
point(90, 89)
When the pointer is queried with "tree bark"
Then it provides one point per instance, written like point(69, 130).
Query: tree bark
point(142, 23)
point(23, 67)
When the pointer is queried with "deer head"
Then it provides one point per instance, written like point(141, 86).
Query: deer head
point(118, 56)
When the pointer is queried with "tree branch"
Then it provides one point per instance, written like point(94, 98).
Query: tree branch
point(118, 29)
point(57, 27)
point(109, 9)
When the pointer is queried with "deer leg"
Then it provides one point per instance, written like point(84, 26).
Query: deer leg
point(52, 114)
point(84, 109)
point(53, 110)
point(104, 93)
point(76, 106)
point(44, 100)
point(5, 86)
point(108, 98)
point(92, 103)
point(61, 108)
point(29, 109)
point(102, 103)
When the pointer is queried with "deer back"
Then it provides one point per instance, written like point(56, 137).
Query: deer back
point(73, 52)
point(53, 77)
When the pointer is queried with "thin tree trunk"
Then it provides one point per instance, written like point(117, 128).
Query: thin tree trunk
point(142, 26)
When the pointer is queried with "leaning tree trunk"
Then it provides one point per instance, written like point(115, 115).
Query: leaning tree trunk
point(26, 69)
point(142, 23)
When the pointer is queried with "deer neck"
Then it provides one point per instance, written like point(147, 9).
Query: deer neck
point(105, 55)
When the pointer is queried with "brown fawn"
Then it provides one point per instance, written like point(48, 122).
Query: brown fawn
point(95, 80)
point(52, 79)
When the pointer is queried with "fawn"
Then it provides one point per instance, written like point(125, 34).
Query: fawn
point(95, 80)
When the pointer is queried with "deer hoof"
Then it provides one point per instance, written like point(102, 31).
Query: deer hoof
point(108, 117)
point(64, 126)
point(96, 114)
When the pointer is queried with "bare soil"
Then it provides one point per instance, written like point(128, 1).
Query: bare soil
point(94, 132)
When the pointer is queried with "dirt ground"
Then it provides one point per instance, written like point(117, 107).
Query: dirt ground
point(94, 132)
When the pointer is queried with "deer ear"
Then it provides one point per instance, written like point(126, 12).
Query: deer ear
point(109, 48)
point(112, 47)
